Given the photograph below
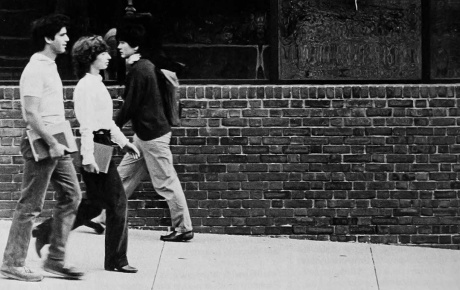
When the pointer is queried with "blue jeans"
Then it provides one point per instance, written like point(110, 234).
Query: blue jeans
point(103, 190)
point(36, 178)
point(156, 160)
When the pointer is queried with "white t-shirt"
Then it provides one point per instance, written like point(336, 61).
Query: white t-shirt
point(41, 79)
point(94, 110)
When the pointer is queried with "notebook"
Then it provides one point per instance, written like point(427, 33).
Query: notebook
point(103, 155)
point(63, 134)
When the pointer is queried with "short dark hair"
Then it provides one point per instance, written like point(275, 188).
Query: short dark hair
point(134, 35)
point(85, 51)
point(47, 26)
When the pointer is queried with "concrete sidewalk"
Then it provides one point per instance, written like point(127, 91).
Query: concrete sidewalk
point(239, 262)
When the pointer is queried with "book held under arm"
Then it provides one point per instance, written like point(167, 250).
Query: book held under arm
point(102, 155)
point(63, 134)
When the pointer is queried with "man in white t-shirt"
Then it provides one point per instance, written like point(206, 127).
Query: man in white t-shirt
point(42, 104)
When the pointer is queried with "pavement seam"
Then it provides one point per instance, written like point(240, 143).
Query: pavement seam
point(375, 268)
point(158, 265)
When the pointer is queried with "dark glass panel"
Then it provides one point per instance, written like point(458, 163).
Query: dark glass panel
point(350, 40)
point(214, 39)
point(445, 39)
point(87, 17)
point(15, 46)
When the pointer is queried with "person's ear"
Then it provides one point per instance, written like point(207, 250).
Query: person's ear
point(136, 48)
point(48, 40)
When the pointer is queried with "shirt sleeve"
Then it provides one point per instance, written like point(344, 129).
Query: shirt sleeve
point(84, 110)
point(32, 83)
point(117, 136)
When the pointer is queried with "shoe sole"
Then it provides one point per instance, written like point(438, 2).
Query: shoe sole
point(177, 240)
point(121, 271)
point(12, 276)
point(187, 238)
point(62, 274)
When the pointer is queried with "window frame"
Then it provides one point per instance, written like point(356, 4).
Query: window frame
point(274, 78)
point(275, 60)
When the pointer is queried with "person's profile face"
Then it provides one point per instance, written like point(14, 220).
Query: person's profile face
point(59, 43)
point(125, 49)
point(102, 61)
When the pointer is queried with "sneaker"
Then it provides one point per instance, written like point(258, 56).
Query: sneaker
point(59, 269)
point(20, 273)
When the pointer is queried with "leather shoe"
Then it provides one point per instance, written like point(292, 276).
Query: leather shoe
point(97, 227)
point(39, 242)
point(177, 237)
point(124, 269)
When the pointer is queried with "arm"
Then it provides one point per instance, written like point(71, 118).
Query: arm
point(118, 137)
point(84, 111)
point(132, 97)
point(31, 105)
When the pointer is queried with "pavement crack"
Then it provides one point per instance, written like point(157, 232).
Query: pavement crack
point(158, 265)
point(375, 268)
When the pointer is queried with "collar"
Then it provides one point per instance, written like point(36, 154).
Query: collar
point(41, 57)
point(94, 77)
point(133, 58)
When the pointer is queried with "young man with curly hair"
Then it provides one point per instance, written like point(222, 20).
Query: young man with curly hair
point(42, 103)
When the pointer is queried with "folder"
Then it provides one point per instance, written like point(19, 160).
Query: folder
point(63, 134)
point(103, 155)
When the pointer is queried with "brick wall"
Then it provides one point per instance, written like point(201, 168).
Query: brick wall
point(342, 163)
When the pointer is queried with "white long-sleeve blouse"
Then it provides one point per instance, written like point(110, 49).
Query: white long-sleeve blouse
point(94, 110)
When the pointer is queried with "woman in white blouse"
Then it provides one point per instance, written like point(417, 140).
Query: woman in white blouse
point(94, 110)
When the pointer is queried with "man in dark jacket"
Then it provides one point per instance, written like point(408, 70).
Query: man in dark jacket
point(144, 107)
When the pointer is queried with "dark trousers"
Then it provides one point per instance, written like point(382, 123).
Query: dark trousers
point(103, 190)
point(87, 210)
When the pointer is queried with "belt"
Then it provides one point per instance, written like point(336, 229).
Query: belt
point(102, 132)
point(102, 136)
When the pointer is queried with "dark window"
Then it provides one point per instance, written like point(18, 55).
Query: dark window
point(223, 40)
point(264, 41)
point(15, 18)
point(350, 40)
point(445, 39)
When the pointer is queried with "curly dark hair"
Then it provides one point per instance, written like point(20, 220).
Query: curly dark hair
point(133, 34)
point(47, 26)
point(85, 51)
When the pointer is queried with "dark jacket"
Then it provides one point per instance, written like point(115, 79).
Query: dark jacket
point(143, 103)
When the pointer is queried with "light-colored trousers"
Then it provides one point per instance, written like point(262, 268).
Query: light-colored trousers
point(156, 160)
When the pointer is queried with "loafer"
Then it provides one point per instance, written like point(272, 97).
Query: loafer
point(59, 269)
point(177, 237)
point(97, 227)
point(39, 244)
point(40, 241)
point(123, 269)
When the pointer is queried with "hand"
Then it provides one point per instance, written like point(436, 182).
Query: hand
point(57, 150)
point(91, 168)
point(132, 150)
